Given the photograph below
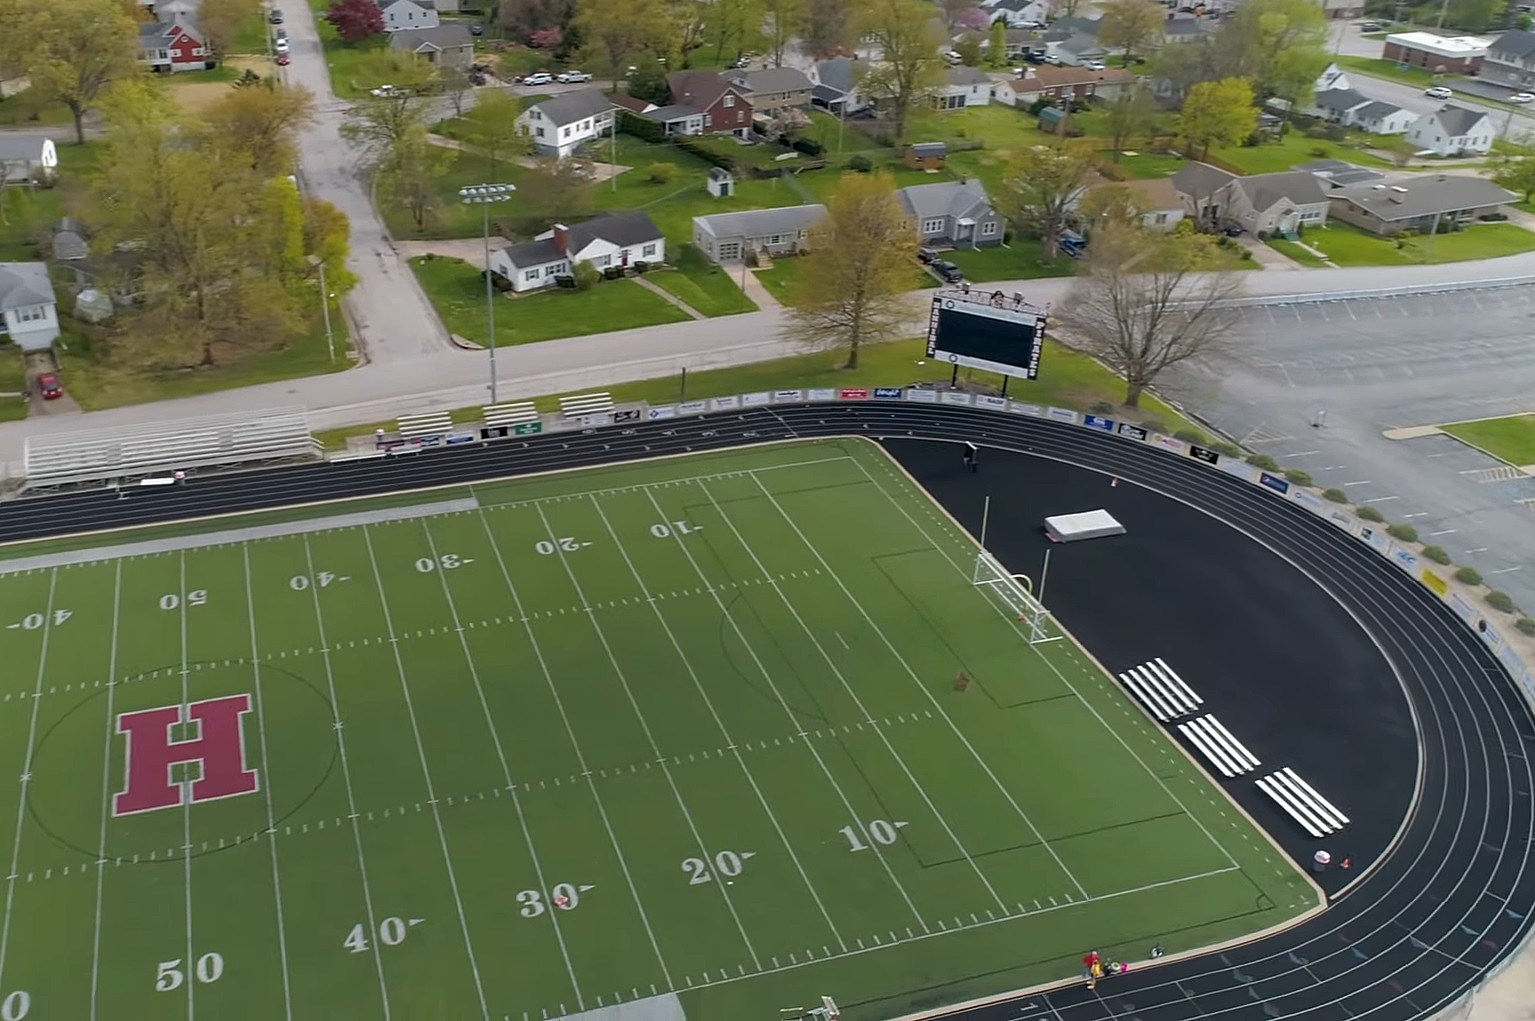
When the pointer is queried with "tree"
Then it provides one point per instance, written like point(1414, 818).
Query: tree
point(523, 18)
point(952, 9)
point(1112, 203)
point(782, 19)
point(220, 20)
point(1130, 25)
point(556, 190)
point(492, 125)
point(1515, 170)
point(996, 44)
point(327, 237)
point(1217, 113)
point(974, 19)
point(857, 271)
point(377, 124)
point(1042, 189)
point(263, 123)
point(909, 67)
point(648, 82)
point(735, 26)
point(619, 31)
point(1276, 43)
point(1128, 112)
point(1062, 8)
point(355, 20)
point(454, 83)
point(409, 176)
point(827, 29)
point(72, 51)
point(969, 50)
point(1149, 301)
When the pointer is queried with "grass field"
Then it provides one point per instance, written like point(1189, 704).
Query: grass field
point(682, 728)
point(1511, 438)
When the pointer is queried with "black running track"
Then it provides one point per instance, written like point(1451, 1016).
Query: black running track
point(1449, 901)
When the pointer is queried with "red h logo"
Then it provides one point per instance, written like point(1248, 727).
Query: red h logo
point(218, 748)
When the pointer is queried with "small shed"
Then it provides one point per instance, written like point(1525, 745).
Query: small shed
point(1056, 122)
point(926, 155)
point(721, 183)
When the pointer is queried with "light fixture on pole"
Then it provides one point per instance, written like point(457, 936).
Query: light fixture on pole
point(330, 340)
point(483, 195)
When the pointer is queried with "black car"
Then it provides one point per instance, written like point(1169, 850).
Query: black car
point(947, 271)
point(476, 29)
point(274, 16)
point(927, 256)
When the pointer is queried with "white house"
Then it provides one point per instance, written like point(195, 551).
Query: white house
point(1332, 77)
point(27, 157)
point(1452, 131)
point(836, 87)
point(611, 240)
point(400, 14)
point(962, 87)
point(28, 315)
point(1017, 13)
point(1338, 105)
point(560, 124)
point(1380, 118)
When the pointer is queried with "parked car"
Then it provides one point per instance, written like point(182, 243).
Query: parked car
point(572, 77)
point(475, 28)
point(740, 63)
point(927, 256)
point(1095, 65)
point(477, 77)
point(284, 59)
point(281, 46)
point(1370, 26)
point(274, 16)
point(1437, 92)
point(538, 78)
point(49, 386)
point(947, 271)
point(386, 92)
point(1522, 97)
point(953, 57)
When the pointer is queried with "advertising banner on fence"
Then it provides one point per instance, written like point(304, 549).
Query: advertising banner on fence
point(1492, 636)
point(1404, 558)
point(1273, 482)
point(825, 394)
point(628, 415)
point(1133, 432)
point(664, 411)
point(955, 397)
point(922, 396)
point(1306, 498)
point(755, 400)
point(1062, 415)
point(788, 396)
point(853, 394)
point(988, 401)
point(1511, 660)
point(1203, 454)
point(725, 403)
point(1241, 469)
point(1375, 537)
point(888, 393)
point(1435, 584)
point(1098, 422)
point(1463, 609)
point(692, 408)
point(1032, 410)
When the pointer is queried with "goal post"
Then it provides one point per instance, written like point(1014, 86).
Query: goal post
point(1016, 593)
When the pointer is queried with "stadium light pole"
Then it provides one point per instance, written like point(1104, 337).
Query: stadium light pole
point(330, 339)
point(483, 195)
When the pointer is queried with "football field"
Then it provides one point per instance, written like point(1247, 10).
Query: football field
point(684, 732)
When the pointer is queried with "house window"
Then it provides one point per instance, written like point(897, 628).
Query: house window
point(648, 251)
point(603, 261)
point(988, 228)
point(776, 239)
point(531, 274)
point(932, 226)
point(729, 100)
point(557, 268)
point(1161, 218)
point(540, 133)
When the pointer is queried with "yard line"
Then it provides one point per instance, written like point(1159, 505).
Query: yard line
point(671, 781)
point(937, 706)
point(559, 705)
point(106, 781)
point(884, 738)
point(26, 772)
point(724, 731)
point(426, 773)
point(506, 770)
point(346, 777)
point(266, 786)
point(186, 793)
point(965, 573)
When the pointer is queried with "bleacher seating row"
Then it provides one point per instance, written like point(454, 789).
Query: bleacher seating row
point(1301, 802)
point(1214, 741)
point(1157, 687)
point(433, 423)
point(581, 405)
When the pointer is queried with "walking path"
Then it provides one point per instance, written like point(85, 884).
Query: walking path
point(755, 289)
point(668, 296)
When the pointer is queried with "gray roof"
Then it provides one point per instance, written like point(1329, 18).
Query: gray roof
point(1375, 110)
point(968, 76)
point(837, 73)
point(1515, 44)
point(69, 244)
point(24, 283)
point(1458, 120)
point(533, 253)
point(1325, 166)
point(827, 94)
point(1080, 44)
point(155, 34)
point(624, 229)
point(1183, 26)
point(1340, 100)
point(1357, 175)
point(771, 80)
point(20, 147)
point(756, 223)
point(1411, 198)
point(929, 149)
point(946, 198)
point(1200, 179)
point(570, 107)
point(1086, 26)
point(675, 112)
point(1266, 190)
point(446, 36)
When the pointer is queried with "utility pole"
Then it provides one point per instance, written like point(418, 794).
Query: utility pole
point(483, 195)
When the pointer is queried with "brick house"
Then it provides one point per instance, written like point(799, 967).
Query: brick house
point(1454, 54)
point(725, 108)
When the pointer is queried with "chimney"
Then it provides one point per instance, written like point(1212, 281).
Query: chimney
point(562, 238)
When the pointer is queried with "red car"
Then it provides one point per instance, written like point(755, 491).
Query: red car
point(50, 387)
point(283, 59)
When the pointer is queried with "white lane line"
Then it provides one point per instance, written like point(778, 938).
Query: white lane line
point(1359, 482)
point(718, 721)
point(1445, 531)
point(650, 738)
point(1419, 514)
point(575, 746)
point(186, 796)
point(106, 784)
point(426, 775)
point(1479, 549)
point(1505, 570)
point(1382, 499)
point(346, 776)
point(506, 769)
point(266, 787)
point(1301, 453)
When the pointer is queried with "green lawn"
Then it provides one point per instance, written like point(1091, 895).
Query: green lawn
point(251, 35)
point(457, 291)
point(1348, 246)
point(821, 184)
point(1296, 253)
point(1292, 150)
point(701, 284)
point(1380, 68)
point(843, 140)
point(1020, 259)
point(780, 279)
point(1512, 439)
point(762, 154)
point(13, 381)
point(25, 110)
point(30, 214)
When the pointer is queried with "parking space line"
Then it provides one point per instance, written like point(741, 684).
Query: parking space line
point(1382, 499)
point(1359, 482)
point(1301, 453)
point(1445, 531)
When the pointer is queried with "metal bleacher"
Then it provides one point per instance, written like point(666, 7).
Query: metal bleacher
point(96, 456)
point(581, 405)
point(1300, 801)
point(1157, 687)
point(1214, 741)
point(414, 427)
point(507, 416)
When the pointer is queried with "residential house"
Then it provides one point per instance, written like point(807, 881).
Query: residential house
point(957, 214)
point(404, 14)
point(836, 87)
point(925, 155)
point(1186, 30)
point(26, 158)
point(1380, 118)
point(452, 6)
point(962, 87)
point(1332, 77)
point(449, 45)
point(1338, 105)
point(773, 89)
point(1337, 9)
point(1017, 43)
point(729, 237)
point(1261, 204)
point(1452, 54)
point(725, 108)
point(1510, 59)
point(1059, 84)
point(560, 124)
point(607, 241)
point(674, 120)
point(1421, 203)
point(175, 45)
point(1155, 200)
point(1018, 13)
point(1076, 50)
point(1452, 131)
point(28, 315)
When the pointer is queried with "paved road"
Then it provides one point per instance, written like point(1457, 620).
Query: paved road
point(1374, 365)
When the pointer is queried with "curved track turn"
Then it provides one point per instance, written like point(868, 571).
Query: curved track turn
point(1453, 898)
